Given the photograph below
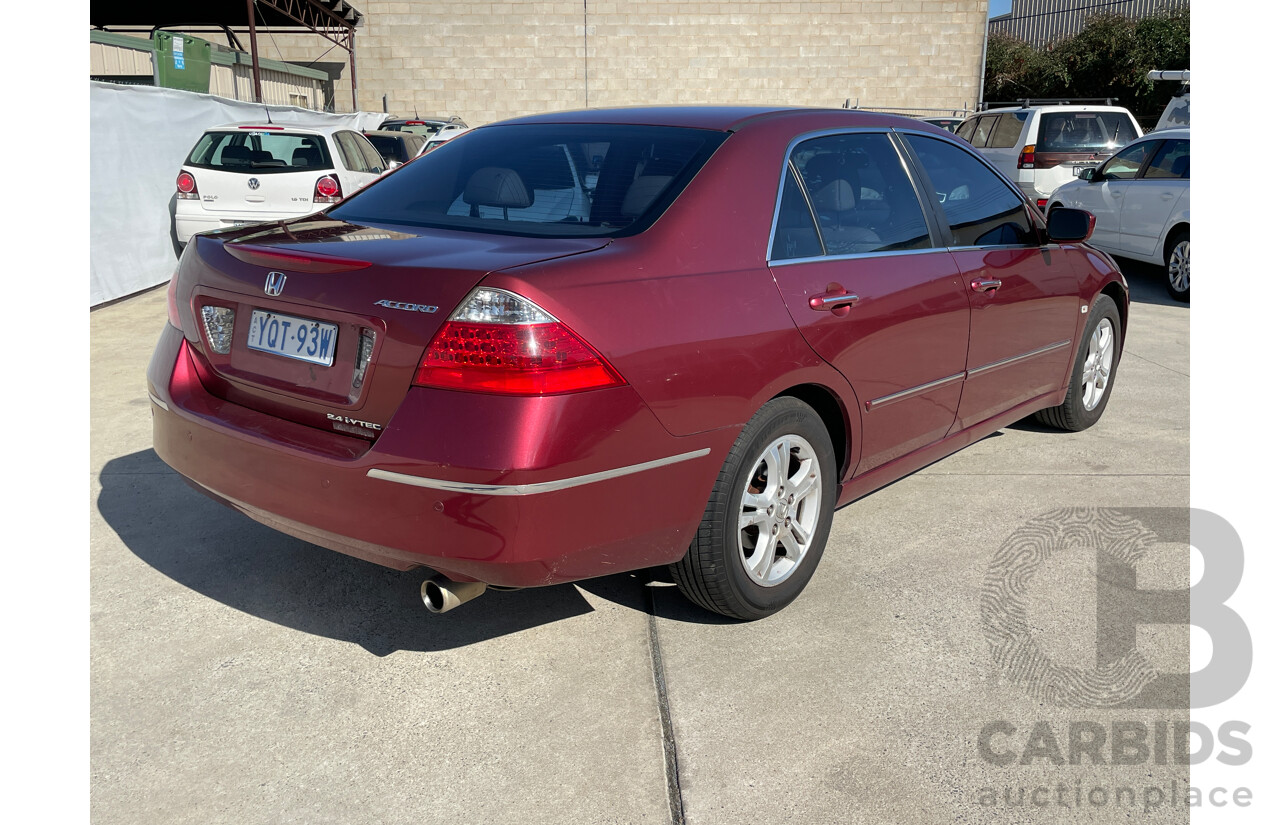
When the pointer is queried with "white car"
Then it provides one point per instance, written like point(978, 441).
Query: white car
point(443, 136)
point(1141, 198)
point(1041, 147)
point(244, 173)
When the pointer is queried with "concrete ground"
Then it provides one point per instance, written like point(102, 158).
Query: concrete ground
point(242, 676)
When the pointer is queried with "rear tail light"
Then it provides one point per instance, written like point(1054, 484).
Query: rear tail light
point(1027, 158)
point(328, 190)
point(498, 342)
point(1040, 202)
point(219, 323)
point(187, 190)
point(173, 301)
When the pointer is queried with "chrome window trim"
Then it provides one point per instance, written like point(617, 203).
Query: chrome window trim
point(923, 388)
point(535, 487)
point(1004, 362)
point(889, 253)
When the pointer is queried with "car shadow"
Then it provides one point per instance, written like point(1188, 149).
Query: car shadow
point(226, 556)
point(1146, 283)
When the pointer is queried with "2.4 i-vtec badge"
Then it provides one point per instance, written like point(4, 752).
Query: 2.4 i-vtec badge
point(342, 419)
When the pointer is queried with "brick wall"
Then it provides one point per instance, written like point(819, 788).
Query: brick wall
point(486, 61)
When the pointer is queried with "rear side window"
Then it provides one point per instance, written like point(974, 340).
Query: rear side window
point(982, 132)
point(352, 148)
point(980, 209)
point(1007, 131)
point(569, 180)
point(861, 195)
point(1173, 160)
point(259, 153)
point(1084, 131)
point(795, 235)
point(387, 146)
point(966, 129)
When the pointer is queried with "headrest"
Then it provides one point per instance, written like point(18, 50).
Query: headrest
point(235, 155)
point(836, 196)
point(497, 186)
point(306, 156)
point(642, 192)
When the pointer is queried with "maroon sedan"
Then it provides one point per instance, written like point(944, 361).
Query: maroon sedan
point(590, 342)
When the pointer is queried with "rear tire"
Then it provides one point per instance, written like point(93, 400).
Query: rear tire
point(1093, 374)
point(768, 518)
point(1177, 265)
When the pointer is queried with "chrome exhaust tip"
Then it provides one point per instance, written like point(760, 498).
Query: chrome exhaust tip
point(441, 595)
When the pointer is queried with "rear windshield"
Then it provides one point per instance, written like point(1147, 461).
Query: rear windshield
point(248, 151)
point(427, 129)
point(575, 180)
point(388, 147)
point(1084, 131)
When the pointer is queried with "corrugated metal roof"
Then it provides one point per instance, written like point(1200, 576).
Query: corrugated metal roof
point(1044, 21)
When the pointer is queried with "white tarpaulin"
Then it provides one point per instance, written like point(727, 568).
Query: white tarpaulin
point(139, 136)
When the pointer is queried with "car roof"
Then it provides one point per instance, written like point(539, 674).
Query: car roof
point(423, 119)
point(275, 127)
point(1054, 107)
point(386, 134)
point(1181, 132)
point(719, 118)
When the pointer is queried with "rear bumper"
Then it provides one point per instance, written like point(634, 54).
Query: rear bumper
point(189, 218)
point(572, 487)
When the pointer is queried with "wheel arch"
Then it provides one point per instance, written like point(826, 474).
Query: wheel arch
point(1177, 226)
point(1116, 292)
point(835, 417)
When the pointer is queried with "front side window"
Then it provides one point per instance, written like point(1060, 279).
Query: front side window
point(861, 195)
point(1172, 160)
point(965, 131)
point(1127, 162)
point(352, 155)
point(566, 180)
point(980, 209)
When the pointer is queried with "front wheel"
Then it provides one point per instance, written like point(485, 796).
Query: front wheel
point(1093, 374)
point(1177, 265)
point(767, 521)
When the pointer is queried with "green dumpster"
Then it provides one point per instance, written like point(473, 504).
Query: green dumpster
point(182, 61)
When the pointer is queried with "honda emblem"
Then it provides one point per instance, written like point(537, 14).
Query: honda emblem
point(275, 283)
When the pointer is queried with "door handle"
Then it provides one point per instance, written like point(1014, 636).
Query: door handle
point(985, 284)
point(832, 300)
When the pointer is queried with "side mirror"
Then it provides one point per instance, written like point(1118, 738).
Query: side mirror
point(1070, 225)
point(1089, 173)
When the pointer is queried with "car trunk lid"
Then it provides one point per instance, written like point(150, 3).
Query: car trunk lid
point(367, 301)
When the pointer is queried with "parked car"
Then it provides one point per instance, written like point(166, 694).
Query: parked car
point(948, 123)
point(1141, 198)
point(443, 136)
point(1042, 147)
point(425, 126)
point(761, 316)
point(397, 148)
point(247, 173)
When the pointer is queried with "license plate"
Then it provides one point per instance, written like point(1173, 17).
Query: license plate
point(292, 337)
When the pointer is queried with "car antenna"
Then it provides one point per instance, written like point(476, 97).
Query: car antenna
point(269, 116)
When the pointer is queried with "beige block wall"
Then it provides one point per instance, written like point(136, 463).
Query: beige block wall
point(487, 61)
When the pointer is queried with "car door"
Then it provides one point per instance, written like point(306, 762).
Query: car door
point(1023, 293)
point(858, 263)
point(1151, 197)
point(361, 163)
point(1113, 181)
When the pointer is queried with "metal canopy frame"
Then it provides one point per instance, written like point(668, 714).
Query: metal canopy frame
point(334, 20)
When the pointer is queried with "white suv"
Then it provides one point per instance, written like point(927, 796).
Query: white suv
point(244, 173)
point(1042, 147)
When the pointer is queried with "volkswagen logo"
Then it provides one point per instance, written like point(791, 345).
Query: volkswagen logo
point(275, 283)
point(253, 183)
